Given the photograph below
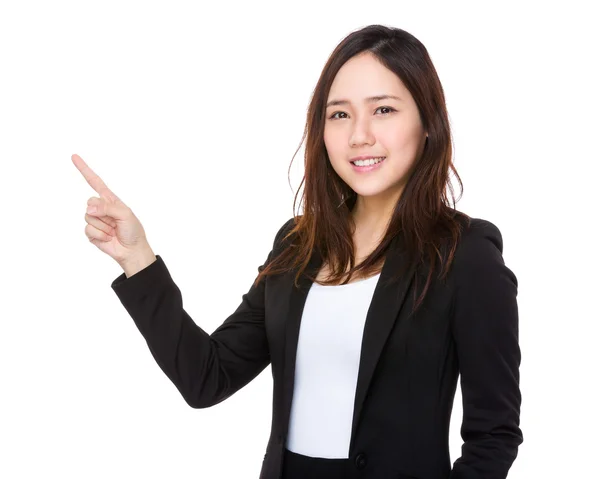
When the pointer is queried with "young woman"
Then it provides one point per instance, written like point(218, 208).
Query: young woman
point(369, 304)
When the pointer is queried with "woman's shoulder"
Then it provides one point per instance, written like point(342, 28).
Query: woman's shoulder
point(280, 240)
point(285, 228)
point(478, 233)
point(479, 251)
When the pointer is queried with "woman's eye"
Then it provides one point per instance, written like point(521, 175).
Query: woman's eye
point(334, 117)
point(386, 108)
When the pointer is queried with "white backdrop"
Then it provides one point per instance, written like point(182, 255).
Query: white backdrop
point(192, 114)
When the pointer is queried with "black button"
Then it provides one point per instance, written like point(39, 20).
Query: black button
point(360, 460)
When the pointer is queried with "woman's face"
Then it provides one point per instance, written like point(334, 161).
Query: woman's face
point(359, 126)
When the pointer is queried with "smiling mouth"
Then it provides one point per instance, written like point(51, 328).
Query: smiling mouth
point(369, 162)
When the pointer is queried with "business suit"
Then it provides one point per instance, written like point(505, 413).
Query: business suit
point(409, 365)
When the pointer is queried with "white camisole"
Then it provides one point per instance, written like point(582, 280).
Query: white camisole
point(327, 359)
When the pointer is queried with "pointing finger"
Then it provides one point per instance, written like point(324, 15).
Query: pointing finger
point(93, 179)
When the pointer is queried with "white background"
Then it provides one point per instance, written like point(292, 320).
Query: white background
point(192, 114)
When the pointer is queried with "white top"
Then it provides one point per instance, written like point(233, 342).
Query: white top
point(327, 359)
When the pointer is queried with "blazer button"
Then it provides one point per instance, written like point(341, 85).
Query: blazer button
point(360, 460)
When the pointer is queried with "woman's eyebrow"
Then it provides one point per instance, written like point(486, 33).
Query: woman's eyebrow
point(369, 99)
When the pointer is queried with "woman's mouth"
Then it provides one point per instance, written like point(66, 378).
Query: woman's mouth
point(364, 166)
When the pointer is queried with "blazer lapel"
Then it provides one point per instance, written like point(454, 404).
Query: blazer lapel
point(383, 313)
point(388, 298)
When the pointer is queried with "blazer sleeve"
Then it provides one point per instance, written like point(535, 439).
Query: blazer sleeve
point(486, 333)
point(206, 369)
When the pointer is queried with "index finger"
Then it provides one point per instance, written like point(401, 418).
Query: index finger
point(92, 178)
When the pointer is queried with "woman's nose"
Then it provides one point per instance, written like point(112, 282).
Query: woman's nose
point(361, 133)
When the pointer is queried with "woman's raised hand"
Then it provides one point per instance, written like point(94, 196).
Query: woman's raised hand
point(111, 225)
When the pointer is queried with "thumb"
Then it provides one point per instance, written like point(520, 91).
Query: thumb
point(101, 207)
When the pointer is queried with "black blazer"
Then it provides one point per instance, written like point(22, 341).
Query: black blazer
point(409, 366)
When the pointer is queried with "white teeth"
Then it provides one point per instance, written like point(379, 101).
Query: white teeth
point(370, 161)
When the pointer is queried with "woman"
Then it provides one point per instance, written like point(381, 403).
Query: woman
point(369, 304)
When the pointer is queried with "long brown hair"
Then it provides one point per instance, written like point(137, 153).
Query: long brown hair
point(429, 226)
